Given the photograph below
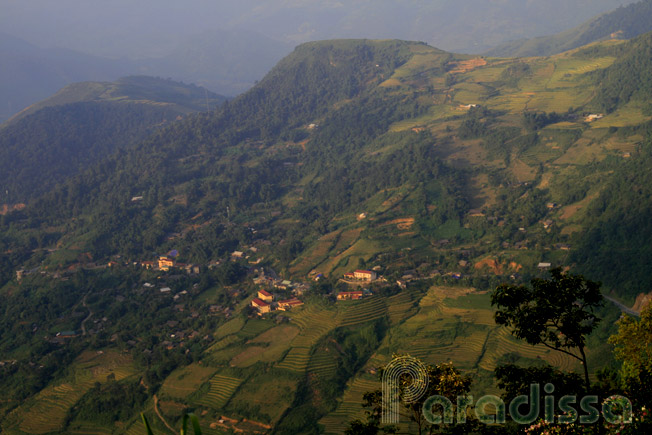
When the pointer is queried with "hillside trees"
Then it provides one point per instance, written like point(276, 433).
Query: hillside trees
point(633, 346)
point(557, 313)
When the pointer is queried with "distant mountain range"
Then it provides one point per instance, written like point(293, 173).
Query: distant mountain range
point(231, 46)
point(623, 23)
point(87, 121)
point(226, 62)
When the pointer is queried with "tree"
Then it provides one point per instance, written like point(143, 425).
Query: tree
point(443, 380)
point(633, 346)
point(372, 402)
point(557, 313)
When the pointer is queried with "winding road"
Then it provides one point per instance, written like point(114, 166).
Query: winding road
point(622, 307)
point(90, 314)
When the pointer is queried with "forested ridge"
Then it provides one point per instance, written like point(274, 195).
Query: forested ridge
point(626, 22)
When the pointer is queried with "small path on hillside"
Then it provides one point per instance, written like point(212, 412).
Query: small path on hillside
point(90, 314)
point(160, 416)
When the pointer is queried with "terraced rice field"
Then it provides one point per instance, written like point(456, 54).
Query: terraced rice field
point(317, 254)
point(48, 410)
point(351, 405)
point(273, 344)
point(322, 364)
point(296, 359)
point(363, 311)
point(221, 390)
point(314, 323)
point(401, 306)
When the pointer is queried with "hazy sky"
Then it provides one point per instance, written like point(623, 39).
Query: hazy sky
point(113, 26)
point(153, 27)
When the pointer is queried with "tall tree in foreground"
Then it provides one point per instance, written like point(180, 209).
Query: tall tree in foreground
point(633, 346)
point(557, 313)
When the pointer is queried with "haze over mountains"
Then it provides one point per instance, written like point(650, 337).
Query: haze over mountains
point(622, 23)
point(227, 46)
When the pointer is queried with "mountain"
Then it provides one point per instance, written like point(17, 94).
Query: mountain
point(446, 173)
point(85, 122)
point(179, 96)
point(228, 62)
point(29, 73)
point(374, 106)
point(625, 22)
point(227, 47)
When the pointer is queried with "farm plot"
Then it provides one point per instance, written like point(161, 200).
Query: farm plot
point(351, 405)
point(254, 327)
point(314, 322)
point(401, 306)
point(48, 410)
point(231, 327)
point(186, 380)
point(221, 390)
point(268, 394)
point(322, 363)
point(363, 311)
point(268, 347)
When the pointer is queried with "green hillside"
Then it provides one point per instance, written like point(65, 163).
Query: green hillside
point(83, 123)
point(154, 91)
point(450, 173)
point(626, 22)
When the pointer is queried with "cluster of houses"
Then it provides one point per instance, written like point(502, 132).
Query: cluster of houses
point(350, 296)
point(264, 303)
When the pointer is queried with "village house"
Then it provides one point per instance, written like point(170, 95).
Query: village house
point(165, 263)
point(262, 306)
point(283, 285)
point(349, 275)
point(264, 295)
point(544, 266)
point(289, 303)
point(349, 296)
point(147, 264)
point(365, 275)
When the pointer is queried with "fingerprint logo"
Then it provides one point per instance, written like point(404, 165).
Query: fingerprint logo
point(395, 370)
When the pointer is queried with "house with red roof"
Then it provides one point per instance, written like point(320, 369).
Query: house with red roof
point(264, 295)
point(289, 303)
point(262, 306)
